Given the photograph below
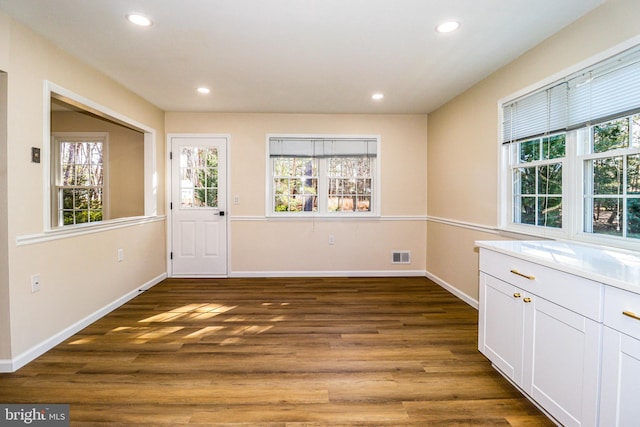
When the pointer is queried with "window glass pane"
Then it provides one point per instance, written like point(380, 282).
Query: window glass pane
point(607, 175)
point(527, 181)
point(349, 184)
point(295, 185)
point(635, 122)
point(553, 147)
point(67, 199)
point(606, 216)
point(527, 207)
point(199, 197)
point(633, 218)
point(550, 179)
point(550, 212)
point(611, 135)
point(633, 174)
point(340, 204)
point(81, 199)
point(530, 151)
point(212, 177)
point(364, 204)
point(68, 218)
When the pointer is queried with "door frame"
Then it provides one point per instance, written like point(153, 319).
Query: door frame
point(169, 187)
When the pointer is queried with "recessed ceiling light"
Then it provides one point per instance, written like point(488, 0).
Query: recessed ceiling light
point(447, 27)
point(203, 90)
point(377, 96)
point(136, 18)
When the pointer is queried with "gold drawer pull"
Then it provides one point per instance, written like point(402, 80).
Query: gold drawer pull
point(632, 315)
point(517, 295)
point(526, 276)
point(527, 300)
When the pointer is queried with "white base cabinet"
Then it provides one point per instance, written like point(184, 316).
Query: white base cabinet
point(620, 398)
point(535, 331)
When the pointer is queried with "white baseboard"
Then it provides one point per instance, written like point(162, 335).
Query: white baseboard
point(367, 273)
point(455, 291)
point(36, 351)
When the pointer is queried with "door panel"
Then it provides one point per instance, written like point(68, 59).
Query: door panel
point(198, 196)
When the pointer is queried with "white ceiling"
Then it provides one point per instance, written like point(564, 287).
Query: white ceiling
point(298, 56)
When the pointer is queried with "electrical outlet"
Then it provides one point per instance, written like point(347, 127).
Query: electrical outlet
point(332, 239)
point(120, 255)
point(35, 283)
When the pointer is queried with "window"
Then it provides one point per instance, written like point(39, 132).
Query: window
point(537, 181)
point(322, 175)
point(199, 177)
point(611, 178)
point(79, 190)
point(571, 156)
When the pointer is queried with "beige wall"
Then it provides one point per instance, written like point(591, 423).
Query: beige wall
point(463, 140)
point(266, 246)
point(126, 160)
point(79, 275)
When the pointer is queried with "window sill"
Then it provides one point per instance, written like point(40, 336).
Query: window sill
point(84, 229)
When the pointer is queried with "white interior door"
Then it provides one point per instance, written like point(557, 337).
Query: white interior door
point(198, 206)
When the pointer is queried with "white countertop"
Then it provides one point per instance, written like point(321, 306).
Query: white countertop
point(615, 267)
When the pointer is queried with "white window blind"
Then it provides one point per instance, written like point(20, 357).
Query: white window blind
point(604, 91)
point(302, 147)
point(609, 91)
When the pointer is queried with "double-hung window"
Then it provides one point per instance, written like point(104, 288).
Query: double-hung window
point(79, 177)
point(322, 175)
point(571, 155)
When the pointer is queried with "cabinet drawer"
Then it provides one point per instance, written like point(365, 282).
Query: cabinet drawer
point(575, 293)
point(622, 311)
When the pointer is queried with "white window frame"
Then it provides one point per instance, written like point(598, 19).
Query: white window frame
point(573, 176)
point(323, 212)
point(60, 137)
point(151, 182)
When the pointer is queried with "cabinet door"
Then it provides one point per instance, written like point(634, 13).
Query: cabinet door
point(619, 405)
point(500, 325)
point(561, 362)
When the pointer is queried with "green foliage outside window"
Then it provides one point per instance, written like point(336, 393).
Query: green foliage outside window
point(615, 179)
point(538, 188)
point(81, 181)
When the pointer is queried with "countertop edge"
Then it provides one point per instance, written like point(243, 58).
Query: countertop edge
point(600, 278)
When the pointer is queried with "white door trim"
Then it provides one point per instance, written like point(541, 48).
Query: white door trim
point(168, 188)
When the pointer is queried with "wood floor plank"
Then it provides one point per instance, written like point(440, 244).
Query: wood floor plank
point(278, 352)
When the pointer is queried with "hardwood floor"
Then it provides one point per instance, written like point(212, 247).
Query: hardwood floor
point(278, 352)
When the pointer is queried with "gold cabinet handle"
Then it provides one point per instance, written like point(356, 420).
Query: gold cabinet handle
point(527, 300)
point(631, 314)
point(517, 295)
point(526, 276)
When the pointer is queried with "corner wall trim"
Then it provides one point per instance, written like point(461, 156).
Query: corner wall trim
point(464, 297)
point(21, 360)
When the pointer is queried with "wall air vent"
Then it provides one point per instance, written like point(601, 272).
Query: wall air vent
point(401, 257)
